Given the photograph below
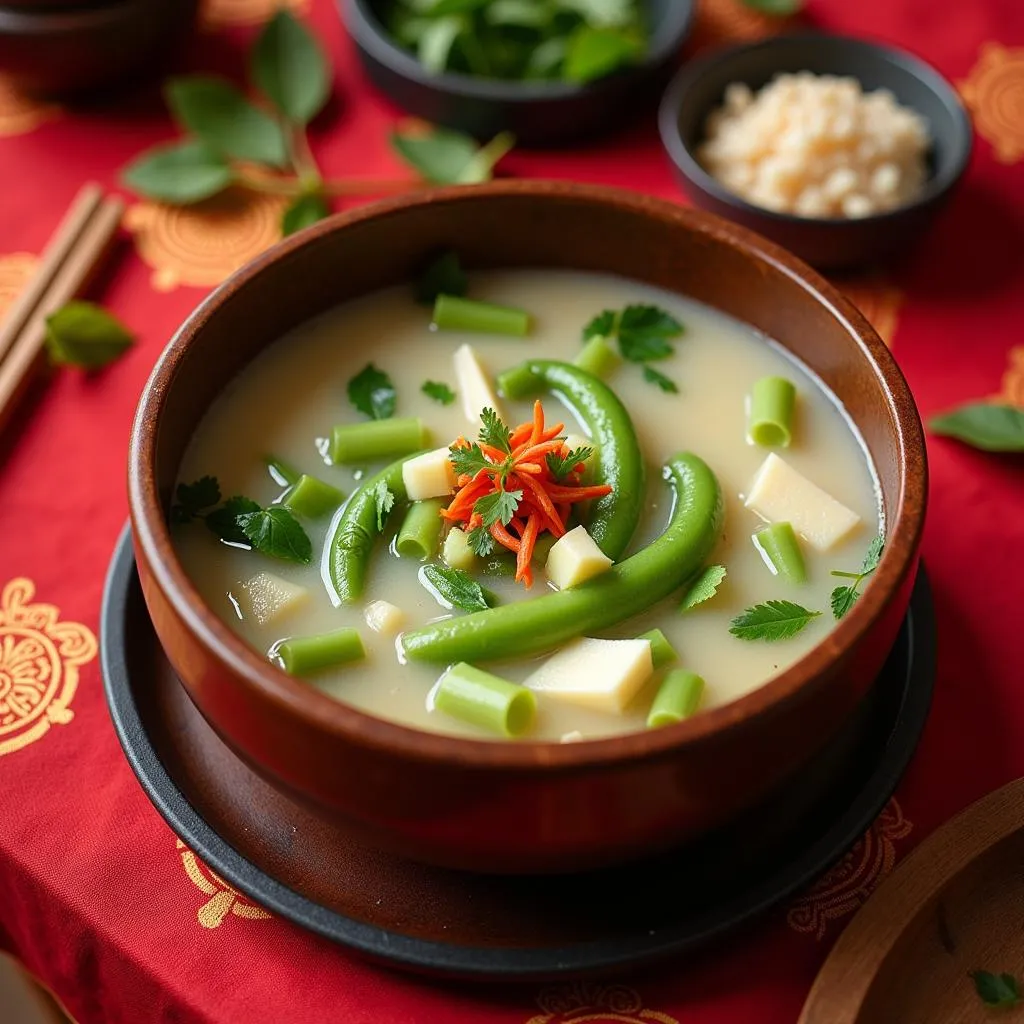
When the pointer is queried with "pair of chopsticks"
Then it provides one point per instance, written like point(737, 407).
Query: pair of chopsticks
point(72, 256)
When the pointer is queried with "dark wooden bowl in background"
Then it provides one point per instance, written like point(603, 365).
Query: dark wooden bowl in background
point(525, 806)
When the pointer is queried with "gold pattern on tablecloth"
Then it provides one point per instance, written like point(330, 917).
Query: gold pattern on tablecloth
point(878, 300)
point(216, 14)
point(202, 244)
point(223, 899)
point(39, 661)
point(1013, 380)
point(16, 269)
point(847, 886)
point(19, 113)
point(994, 91)
point(583, 1001)
point(724, 22)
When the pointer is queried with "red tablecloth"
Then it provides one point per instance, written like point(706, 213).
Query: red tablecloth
point(96, 895)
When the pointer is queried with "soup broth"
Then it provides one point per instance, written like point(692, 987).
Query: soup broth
point(288, 399)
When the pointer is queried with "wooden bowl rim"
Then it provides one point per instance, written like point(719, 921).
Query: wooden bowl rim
point(293, 697)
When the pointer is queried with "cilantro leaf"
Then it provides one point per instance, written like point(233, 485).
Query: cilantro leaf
point(644, 333)
point(562, 465)
point(85, 335)
point(703, 587)
point(500, 506)
point(603, 325)
point(468, 460)
point(996, 990)
point(842, 600)
point(438, 391)
point(385, 502)
point(844, 597)
point(193, 498)
point(874, 555)
point(442, 276)
point(494, 432)
point(480, 541)
point(372, 393)
point(652, 376)
point(276, 532)
point(454, 588)
point(773, 620)
point(223, 521)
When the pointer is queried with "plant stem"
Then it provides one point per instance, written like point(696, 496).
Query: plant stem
point(340, 187)
point(302, 158)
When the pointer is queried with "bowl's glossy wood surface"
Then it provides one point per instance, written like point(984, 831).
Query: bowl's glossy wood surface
point(525, 806)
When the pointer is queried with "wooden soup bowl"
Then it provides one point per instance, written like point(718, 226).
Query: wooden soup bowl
point(526, 806)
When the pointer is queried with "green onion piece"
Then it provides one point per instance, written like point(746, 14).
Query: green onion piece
point(378, 439)
point(477, 697)
point(306, 655)
point(677, 698)
point(420, 533)
point(597, 357)
point(662, 652)
point(781, 552)
point(311, 497)
point(454, 314)
point(281, 472)
point(771, 412)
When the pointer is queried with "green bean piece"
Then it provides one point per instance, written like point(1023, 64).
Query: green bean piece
point(378, 439)
point(307, 655)
point(477, 697)
point(420, 533)
point(311, 497)
point(617, 459)
point(662, 652)
point(281, 472)
point(632, 586)
point(780, 548)
point(452, 313)
point(771, 412)
point(677, 698)
point(597, 357)
point(352, 542)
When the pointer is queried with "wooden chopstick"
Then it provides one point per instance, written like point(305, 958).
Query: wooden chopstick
point(69, 277)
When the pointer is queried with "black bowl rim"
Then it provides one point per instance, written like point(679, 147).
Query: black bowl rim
point(902, 60)
point(371, 37)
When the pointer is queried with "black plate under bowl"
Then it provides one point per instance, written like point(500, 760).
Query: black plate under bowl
point(301, 867)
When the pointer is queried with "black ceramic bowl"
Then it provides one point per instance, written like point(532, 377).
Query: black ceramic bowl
point(828, 243)
point(538, 113)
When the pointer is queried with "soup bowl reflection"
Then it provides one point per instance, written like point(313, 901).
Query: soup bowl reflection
point(525, 806)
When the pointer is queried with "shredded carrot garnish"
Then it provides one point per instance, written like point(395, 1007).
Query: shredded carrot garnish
point(510, 491)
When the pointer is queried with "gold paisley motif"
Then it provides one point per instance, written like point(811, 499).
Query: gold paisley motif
point(847, 886)
point(878, 300)
point(19, 113)
point(16, 269)
point(215, 14)
point(1013, 380)
point(200, 245)
point(724, 22)
point(39, 661)
point(223, 899)
point(584, 1001)
point(994, 91)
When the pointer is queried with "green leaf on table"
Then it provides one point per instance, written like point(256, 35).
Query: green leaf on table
point(446, 157)
point(997, 991)
point(468, 460)
point(276, 532)
point(562, 465)
point(384, 500)
point(181, 173)
point(443, 275)
point(703, 587)
point(776, 8)
point(455, 587)
point(653, 376)
point(593, 53)
point(85, 335)
point(992, 428)
point(223, 521)
point(192, 499)
point(772, 620)
point(289, 67)
point(305, 210)
point(494, 432)
point(220, 115)
point(480, 541)
point(438, 391)
point(435, 42)
point(498, 507)
point(372, 393)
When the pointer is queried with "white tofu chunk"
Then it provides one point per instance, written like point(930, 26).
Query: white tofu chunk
point(456, 552)
point(474, 385)
point(601, 674)
point(265, 598)
point(429, 475)
point(781, 494)
point(384, 617)
point(575, 558)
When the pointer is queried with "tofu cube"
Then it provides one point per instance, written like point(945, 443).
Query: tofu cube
point(384, 617)
point(575, 558)
point(474, 385)
point(456, 552)
point(781, 494)
point(266, 598)
point(429, 475)
point(601, 674)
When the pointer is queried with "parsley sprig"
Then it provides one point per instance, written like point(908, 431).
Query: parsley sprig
point(843, 598)
point(644, 335)
point(772, 620)
point(562, 465)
